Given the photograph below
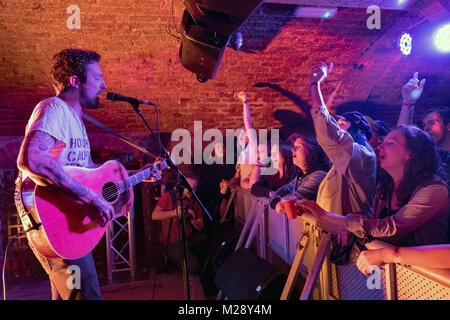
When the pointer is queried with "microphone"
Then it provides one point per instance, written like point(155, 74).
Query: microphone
point(118, 97)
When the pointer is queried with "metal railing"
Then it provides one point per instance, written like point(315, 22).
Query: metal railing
point(304, 244)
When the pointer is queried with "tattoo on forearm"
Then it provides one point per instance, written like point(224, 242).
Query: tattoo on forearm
point(81, 191)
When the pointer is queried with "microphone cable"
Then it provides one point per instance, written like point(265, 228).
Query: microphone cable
point(17, 236)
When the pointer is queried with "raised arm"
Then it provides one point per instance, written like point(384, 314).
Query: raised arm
point(337, 144)
point(247, 120)
point(319, 74)
point(34, 159)
point(411, 92)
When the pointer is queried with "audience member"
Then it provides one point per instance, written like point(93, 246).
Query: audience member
point(313, 165)
point(281, 160)
point(380, 129)
point(411, 207)
point(170, 217)
point(247, 157)
point(436, 120)
point(435, 256)
point(350, 184)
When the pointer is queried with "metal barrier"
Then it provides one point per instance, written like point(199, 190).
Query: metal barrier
point(305, 245)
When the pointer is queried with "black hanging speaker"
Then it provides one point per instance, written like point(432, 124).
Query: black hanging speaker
point(201, 49)
point(222, 16)
point(245, 276)
point(206, 28)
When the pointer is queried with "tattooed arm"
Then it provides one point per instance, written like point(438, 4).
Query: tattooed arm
point(34, 159)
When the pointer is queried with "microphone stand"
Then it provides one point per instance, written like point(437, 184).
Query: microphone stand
point(181, 184)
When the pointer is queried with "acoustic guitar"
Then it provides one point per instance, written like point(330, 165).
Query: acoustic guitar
point(66, 229)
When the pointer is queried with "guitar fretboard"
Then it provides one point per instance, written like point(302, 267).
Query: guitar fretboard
point(140, 176)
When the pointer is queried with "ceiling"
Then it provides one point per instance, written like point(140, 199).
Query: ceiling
point(410, 5)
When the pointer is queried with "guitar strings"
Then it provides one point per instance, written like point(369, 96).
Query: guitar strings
point(109, 193)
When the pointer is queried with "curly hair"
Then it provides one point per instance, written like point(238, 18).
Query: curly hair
point(318, 160)
point(71, 62)
point(422, 166)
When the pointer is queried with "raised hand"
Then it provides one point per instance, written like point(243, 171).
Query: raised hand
point(320, 72)
point(241, 95)
point(413, 89)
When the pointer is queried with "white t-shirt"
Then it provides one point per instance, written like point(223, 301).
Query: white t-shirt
point(54, 117)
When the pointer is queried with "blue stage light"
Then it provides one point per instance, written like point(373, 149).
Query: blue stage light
point(405, 43)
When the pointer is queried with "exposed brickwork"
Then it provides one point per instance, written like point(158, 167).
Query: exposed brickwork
point(140, 59)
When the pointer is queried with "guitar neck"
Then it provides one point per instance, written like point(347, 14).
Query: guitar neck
point(140, 176)
point(135, 179)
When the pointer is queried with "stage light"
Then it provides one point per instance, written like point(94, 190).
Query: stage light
point(442, 38)
point(315, 12)
point(327, 14)
point(405, 43)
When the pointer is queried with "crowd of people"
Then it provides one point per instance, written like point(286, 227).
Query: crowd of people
point(367, 180)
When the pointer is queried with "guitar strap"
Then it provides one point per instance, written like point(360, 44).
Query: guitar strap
point(111, 131)
point(27, 219)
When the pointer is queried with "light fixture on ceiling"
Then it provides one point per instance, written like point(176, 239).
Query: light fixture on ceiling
point(315, 12)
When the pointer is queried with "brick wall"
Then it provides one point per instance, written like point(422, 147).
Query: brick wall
point(141, 59)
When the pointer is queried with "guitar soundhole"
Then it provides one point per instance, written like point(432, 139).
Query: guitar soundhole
point(110, 192)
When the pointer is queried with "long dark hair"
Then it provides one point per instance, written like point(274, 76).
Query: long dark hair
point(275, 181)
point(318, 160)
point(422, 166)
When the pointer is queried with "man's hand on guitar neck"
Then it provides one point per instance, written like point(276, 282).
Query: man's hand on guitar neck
point(155, 172)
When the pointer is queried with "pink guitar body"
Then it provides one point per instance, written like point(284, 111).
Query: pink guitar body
point(67, 230)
